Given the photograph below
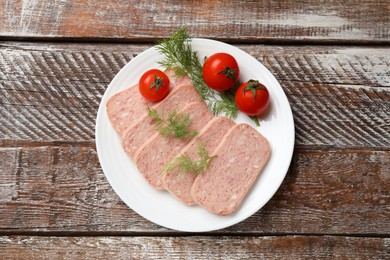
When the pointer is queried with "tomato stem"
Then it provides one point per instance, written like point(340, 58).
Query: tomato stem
point(255, 119)
point(228, 72)
point(158, 82)
point(252, 86)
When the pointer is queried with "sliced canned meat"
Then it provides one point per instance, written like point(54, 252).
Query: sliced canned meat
point(179, 184)
point(154, 154)
point(127, 107)
point(241, 156)
point(139, 132)
point(174, 80)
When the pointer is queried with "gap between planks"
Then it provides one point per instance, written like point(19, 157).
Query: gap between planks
point(37, 144)
point(265, 41)
point(173, 233)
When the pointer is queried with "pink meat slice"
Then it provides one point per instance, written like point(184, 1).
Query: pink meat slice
point(241, 156)
point(154, 154)
point(127, 107)
point(179, 184)
point(174, 80)
point(139, 132)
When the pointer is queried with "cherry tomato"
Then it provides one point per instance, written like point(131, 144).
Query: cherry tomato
point(154, 85)
point(252, 98)
point(220, 71)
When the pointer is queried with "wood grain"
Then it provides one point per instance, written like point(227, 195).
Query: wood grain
point(261, 21)
point(63, 189)
point(197, 247)
point(50, 93)
point(55, 201)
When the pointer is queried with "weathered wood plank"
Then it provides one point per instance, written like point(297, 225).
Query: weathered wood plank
point(50, 93)
point(305, 20)
point(197, 247)
point(63, 189)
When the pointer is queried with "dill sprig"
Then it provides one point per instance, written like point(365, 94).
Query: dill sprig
point(184, 61)
point(175, 124)
point(180, 57)
point(226, 103)
point(186, 165)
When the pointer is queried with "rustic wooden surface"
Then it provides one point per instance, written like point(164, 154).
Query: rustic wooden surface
point(54, 189)
point(196, 247)
point(332, 59)
point(264, 20)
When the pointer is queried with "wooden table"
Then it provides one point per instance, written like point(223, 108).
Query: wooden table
point(332, 59)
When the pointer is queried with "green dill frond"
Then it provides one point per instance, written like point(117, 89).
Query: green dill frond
point(178, 54)
point(186, 165)
point(226, 104)
point(182, 162)
point(176, 125)
point(153, 113)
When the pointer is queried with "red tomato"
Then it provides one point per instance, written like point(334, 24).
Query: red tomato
point(252, 98)
point(154, 85)
point(220, 71)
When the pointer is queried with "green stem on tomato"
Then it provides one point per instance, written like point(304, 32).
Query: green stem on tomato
point(255, 119)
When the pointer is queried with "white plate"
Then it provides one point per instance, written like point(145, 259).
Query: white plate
point(159, 206)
